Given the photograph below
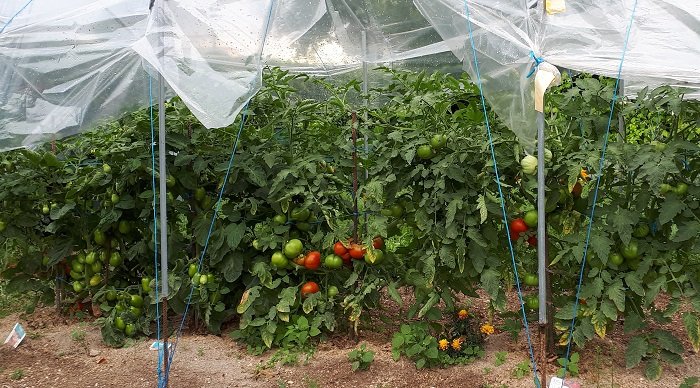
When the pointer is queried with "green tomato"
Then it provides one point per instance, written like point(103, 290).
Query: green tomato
point(386, 212)
point(615, 259)
point(76, 275)
point(203, 279)
point(96, 267)
point(681, 189)
point(3, 226)
point(95, 280)
point(111, 295)
point(136, 300)
point(192, 270)
point(303, 226)
point(665, 188)
point(396, 210)
point(136, 311)
point(199, 194)
point(332, 291)
point(531, 218)
point(196, 279)
point(119, 323)
point(130, 329)
point(120, 307)
point(279, 219)
point(106, 168)
point(77, 286)
point(210, 278)
point(300, 214)
point(116, 259)
point(99, 237)
point(529, 165)
point(531, 280)
point(77, 266)
point(45, 209)
point(146, 284)
point(81, 258)
point(257, 245)
point(532, 302)
point(424, 152)
point(124, 227)
point(641, 231)
point(170, 181)
point(91, 258)
point(293, 248)
point(333, 262)
point(279, 260)
point(631, 250)
point(438, 141)
point(115, 199)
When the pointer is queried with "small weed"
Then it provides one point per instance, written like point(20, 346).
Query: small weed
point(200, 352)
point(522, 369)
point(17, 374)
point(310, 382)
point(281, 384)
point(487, 370)
point(361, 358)
point(570, 367)
point(78, 335)
point(501, 358)
point(689, 382)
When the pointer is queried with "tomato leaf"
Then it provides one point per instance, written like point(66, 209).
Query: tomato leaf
point(653, 370)
point(692, 327)
point(670, 208)
point(616, 293)
point(634, 282)
point(668, 341)
point(490, 281)
point(633, 322)
point(636, 349)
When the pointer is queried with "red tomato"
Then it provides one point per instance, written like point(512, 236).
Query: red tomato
point(346, 258)
point(339, 249)
point(356, 252)
point(514, 236)
point(378, 242)
point(300, 260)
point(309, 288)
point(532, 241)
point(312, 260)
point(518, 226)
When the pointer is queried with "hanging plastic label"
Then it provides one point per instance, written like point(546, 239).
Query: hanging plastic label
point(555, 6)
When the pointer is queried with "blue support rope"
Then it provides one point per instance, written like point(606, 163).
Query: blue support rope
point(503, 205)
point(597, 186)
point(206, 243)
point(14, 16)
point(161, 349)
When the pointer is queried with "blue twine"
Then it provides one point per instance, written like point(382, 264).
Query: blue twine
point(161, 349)
point(211, 230)
point(538, 61)
point(14, 16)
point(595, 193)
point(503, 206)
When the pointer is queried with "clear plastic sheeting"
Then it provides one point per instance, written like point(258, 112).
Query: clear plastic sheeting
point(589, 36)
point(504, 33)
point(66, 65)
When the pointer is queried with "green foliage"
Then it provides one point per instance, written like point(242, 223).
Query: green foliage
point(361, 358)
point(415, 342)
point(522, 369)
point(439, 213)
point(501, 358)
point(570, 366)
point(689, 382)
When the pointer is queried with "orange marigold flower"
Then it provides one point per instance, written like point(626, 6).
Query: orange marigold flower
point(457, 344)
point(443, 344)
point(584, 174)
point(487, 329)
point(462, 314)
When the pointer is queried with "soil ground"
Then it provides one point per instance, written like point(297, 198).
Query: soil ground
point(62, 353)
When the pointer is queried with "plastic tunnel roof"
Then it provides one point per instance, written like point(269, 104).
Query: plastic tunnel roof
point(64, 66)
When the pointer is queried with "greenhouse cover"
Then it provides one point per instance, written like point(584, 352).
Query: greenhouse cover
point(67, 65)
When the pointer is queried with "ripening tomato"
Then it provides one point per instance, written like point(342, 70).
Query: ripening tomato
point(346, 258)
point(532, 241)
point(339, 249)
point(309, 288)
point(378, 242)
point(312, 260)
point(518, 226)
point(357, 252)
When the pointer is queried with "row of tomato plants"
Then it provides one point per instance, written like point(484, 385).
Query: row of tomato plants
point(79, 215)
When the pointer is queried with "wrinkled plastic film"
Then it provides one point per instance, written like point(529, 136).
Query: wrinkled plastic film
point(65, 67)
point(503, 33)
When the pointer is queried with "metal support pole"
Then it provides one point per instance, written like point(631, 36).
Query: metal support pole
point(541, 245)
point(162, 171)
point(365, 88)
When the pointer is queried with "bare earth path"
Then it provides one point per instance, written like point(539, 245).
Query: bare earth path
point(57, 353)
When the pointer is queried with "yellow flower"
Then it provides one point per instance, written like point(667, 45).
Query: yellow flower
point(462, 314)
point(443, 344)
point(457, 344)
point(487, 329)
point(584, 174)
